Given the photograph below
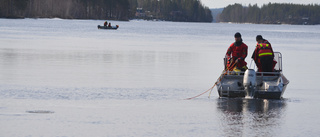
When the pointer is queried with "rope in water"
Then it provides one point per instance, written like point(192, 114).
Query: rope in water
point(230, 68)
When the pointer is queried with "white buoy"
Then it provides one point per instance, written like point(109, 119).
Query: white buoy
point(249, 82)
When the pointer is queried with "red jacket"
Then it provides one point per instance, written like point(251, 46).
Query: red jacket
point(262, 50)
point(237, 51)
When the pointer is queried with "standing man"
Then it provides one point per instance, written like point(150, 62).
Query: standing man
point(237, 52)
point(263, 55)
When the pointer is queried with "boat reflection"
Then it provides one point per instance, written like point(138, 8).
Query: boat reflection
point(250, 117)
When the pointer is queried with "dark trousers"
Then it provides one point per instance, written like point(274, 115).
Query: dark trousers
point(266, 63)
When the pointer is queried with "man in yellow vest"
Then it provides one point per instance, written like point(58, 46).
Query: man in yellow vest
point(263, 55)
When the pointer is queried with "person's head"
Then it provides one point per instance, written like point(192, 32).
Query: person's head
point(259, 38)
point(237, 36)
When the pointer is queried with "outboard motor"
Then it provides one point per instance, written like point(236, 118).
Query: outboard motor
point(249, 82)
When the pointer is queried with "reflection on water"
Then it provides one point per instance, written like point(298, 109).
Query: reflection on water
point(103, 67)
point(250, 117)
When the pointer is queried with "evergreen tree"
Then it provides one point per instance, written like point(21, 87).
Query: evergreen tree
point(171, 10)
point(272, 13)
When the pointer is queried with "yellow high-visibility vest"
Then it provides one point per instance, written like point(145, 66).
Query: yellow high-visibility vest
point(265, 50)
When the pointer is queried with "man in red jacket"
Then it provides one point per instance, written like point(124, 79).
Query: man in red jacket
point(237, 52)
point(263, 55)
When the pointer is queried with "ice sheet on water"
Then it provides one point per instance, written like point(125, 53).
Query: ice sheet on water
point(40, 111)
point(96, 93)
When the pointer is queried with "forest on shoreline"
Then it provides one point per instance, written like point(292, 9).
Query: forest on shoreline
point(272, 13)
point(173, 10)
point(169, 10)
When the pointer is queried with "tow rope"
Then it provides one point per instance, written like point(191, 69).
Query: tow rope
point(230, 68)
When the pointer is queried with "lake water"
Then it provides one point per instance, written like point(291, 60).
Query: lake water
point(67, 78)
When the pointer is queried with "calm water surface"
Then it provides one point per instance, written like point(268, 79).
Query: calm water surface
point(77, 80)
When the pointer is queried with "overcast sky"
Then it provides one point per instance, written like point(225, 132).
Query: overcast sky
point(224, 3)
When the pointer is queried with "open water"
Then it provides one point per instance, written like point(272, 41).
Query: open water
point(67, 78)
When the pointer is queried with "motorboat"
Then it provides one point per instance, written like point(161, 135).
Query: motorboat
point(250, 83)
point(106, 27)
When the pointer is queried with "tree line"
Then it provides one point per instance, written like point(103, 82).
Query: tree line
point(272, 13)
point(67, 9)
point(172, 10)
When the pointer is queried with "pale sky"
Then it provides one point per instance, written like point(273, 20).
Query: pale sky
point(224, 3)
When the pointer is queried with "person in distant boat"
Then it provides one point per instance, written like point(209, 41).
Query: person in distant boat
point(237, 52)
point(263, 55)
point(105, 23)
point(109, 25)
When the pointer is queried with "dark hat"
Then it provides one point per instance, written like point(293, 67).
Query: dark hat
point(237, 35)
point(259, 37)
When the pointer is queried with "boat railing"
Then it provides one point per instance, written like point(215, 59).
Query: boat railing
point(278, 59)
point(234, 73)
point(277, 68)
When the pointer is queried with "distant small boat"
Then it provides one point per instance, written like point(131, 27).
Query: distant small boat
point(106, 27)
